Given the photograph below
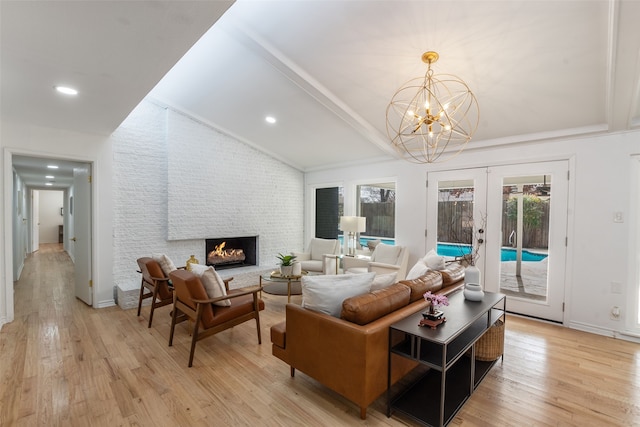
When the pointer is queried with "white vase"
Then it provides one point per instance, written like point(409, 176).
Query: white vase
point(473, 292)
point(297, 269)
point(286, 270)
point(472, 275)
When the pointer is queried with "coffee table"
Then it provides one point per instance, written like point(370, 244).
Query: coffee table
point(449, 353)
point(274, 277)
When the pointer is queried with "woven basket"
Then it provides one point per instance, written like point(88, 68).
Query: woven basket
point(490, 346)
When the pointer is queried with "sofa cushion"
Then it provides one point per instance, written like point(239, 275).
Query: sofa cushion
point(382, 281)
point(366, 308)
point(430, 281)
point(326, 293)
point(452, 274)
point(279, 334)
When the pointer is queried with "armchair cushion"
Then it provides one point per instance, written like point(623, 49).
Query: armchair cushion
point(302, 256)
point(213, 283)
point(165, 263)
point(326, 293)
point(386, 254)
point(313, 259)
point(194, 290)
point(319, 247)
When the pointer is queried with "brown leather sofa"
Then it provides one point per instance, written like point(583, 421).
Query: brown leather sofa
point(350, 354)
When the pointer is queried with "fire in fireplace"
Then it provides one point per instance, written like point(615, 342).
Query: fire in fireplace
point(230, 252)
point(220, 255)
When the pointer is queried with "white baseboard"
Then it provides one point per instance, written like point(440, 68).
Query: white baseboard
point(106, 303)
point(621, 335)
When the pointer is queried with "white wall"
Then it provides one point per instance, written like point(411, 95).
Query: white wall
point(597, 246)
point(50, 218)
point(177, 182)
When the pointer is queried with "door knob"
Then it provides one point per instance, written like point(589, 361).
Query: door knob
point(73, 238)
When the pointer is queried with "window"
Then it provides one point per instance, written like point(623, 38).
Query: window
point(329, 208)
point(377, 203)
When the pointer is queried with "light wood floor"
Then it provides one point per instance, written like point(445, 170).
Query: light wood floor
point(65, 364)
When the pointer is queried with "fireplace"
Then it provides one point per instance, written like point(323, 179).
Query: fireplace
point(231, 252)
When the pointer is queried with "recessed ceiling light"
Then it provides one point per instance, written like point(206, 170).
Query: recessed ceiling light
point(49, 176)
point(66, 90)
point(52, 166)
point(48, 183)
point(270, 119)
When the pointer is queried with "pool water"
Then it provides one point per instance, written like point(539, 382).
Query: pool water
point(506, 254)
point(364, 240)
point(454, 250)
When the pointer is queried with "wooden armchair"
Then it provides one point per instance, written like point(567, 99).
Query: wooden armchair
point(155, 281)
point(191, 302)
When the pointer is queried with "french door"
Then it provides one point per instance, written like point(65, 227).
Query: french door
point(512, 221)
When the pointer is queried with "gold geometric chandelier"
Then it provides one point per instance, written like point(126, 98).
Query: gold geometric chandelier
point(432, 115)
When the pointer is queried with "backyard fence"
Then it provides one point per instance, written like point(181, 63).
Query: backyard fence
point(381, 218)
point(455, 225)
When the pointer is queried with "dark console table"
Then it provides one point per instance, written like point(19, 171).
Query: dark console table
point(449, 353)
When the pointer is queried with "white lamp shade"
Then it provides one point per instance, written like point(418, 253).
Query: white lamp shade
point(353, 224)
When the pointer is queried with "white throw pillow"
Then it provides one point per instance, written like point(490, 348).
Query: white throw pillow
point(326, 293)
point(213, 283)
point(434, 261)
point(165, 262)
point(382, 281)
point(419, 269)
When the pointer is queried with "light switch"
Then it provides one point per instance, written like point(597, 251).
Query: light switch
point(617, 217)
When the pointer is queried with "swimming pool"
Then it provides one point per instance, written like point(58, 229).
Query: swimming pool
point(364, 240)
point(506, 254)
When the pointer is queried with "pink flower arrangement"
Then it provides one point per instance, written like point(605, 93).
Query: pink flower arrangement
point(436, 300)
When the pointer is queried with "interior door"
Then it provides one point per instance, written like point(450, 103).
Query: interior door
point(35, 222)
point(80, 209)
point(522, 213)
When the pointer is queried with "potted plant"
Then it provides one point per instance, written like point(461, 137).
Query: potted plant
point(435, 301)
point(286, 264)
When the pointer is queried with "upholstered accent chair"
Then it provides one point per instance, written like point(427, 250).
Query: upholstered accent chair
point(313, 259)
point(155, 283)
point(192, 302)
point(384, 259)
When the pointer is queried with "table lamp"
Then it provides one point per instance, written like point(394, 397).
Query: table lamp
point(352, 225)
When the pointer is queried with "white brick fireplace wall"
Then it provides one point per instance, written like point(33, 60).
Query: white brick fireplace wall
point(178, 182)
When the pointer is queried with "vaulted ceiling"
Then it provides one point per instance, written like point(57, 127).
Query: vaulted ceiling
point(326, 70)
